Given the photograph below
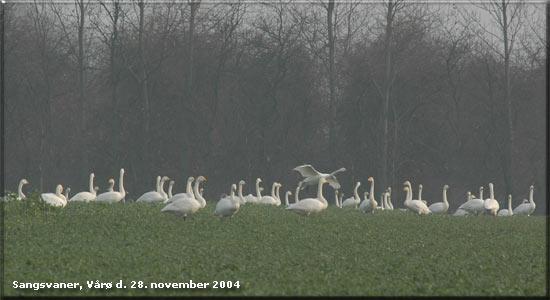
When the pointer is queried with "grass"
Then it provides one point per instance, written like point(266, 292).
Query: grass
point(271, 251)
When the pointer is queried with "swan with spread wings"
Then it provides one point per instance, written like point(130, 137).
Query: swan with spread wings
point(312, 176)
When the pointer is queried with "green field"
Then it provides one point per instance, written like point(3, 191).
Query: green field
point(270, 251)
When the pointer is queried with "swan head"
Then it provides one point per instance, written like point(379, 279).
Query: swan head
point(469, 195)
point(258, 180)
point(446, 187)
point(366, 194)
point(202, 178)
point(324, 180)
point(531, 187)
point(121, 170)
point(234, 187)
point(406, 189)
point(370, 179)
point(25, 181)
point(111, 180)
point(191, 179)
point(525, 201)
point(96, 189)
point(510, 197)
point(420, 186)
point(59, 189)
point(165, 178)
point(389, 189)
point(490, 185)
point(172, 182)
point(358, 183)
point(289, 193)
point(242, 182)
point(92, 175)
point(407, 183)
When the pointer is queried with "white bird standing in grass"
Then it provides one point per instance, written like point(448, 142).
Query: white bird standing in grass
point(255, 199)
point(20, 195)
point(526, 209)
point(474, 206)
point(507, 212)
point(370, 204)
point(312, 176)
point(355, 200)
point(441, 207)
point(111, 197)
point(415, 206)
point(420, 194)
point(307, 206)
point(188, 192)
point(227, 207)
point(156, 196)
point(57, 199)
point(182, 206)
point(86, 196)
point(272, 200)
point(491, 204)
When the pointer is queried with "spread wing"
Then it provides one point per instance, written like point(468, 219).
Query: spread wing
point(307, 171)
point(333, 182)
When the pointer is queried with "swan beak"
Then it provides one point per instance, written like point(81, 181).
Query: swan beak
point(204, 179)
point(244, 182)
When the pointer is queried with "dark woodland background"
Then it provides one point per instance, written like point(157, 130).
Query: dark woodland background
point(435, 94)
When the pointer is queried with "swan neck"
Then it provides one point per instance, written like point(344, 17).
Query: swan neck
point(277, 192)
point(296, 194)
point(531, 197)
point(286, 199)
point(189, 189)
point(445, 197)
point(509, 205)
point(241, 191)
point(258, 193)
point(420, 194)
point(355, 192)
point(491, 191)
point(121, 184)
point(273, 190)
point(20, 190)
point(170, 191)
point(320, 194)
point(92, 184)
point(371, 196)
point(158, 184)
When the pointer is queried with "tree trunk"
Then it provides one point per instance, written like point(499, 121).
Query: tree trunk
point(332, 79)
point(508, 179)
point(386, 97)
point(81, 103)
point(144, 91)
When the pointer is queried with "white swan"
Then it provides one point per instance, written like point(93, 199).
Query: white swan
point(526, 209)
point(355, 200)
point(56, 199)
point(370, 204)
point(386, 199)
point(441, 207)
point(254, 199)
point(420, 194)
point(415, 206)
point(312, 176)
point(307, 206)
point(188, 192)
point(271, 200)
point(67, 191)
point(491, 204)
point(461, 211)
point(156, 196)
point(474, 206)
point(388, 191)
point(20, 195)
point(507, 212)
point(228, 207)
point(182, 206)
point(288, 193)
point(86, 196)
point(113, 196)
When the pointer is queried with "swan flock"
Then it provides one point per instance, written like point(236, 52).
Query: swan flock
point(192, 200)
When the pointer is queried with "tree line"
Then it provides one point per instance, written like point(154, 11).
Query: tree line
point(432, 93)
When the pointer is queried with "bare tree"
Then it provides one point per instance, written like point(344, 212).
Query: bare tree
point(509, 17)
